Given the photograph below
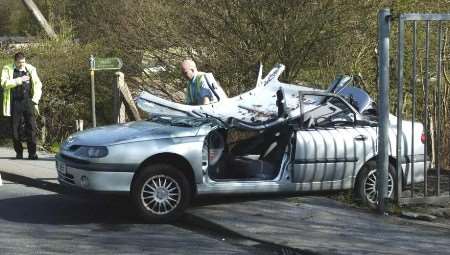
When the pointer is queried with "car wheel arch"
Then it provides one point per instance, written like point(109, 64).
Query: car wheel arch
point(391, 160)
point(175, 160)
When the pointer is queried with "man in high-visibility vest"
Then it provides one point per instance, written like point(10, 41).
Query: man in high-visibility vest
point(22, 90)
point(199, 89)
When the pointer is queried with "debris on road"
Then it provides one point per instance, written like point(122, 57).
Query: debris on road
point(418, 216)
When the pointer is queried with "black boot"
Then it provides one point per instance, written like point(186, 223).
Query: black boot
point(33, 157)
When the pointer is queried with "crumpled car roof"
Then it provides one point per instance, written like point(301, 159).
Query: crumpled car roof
point(256, 105)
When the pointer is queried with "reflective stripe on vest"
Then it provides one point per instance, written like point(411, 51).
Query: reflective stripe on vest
point(192, 95)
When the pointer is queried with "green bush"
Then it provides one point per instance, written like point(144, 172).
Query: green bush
point(63, 68)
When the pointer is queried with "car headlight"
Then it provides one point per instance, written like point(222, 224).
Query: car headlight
point(92, 151)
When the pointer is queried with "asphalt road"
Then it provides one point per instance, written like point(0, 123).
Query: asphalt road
point(38, 221)
point(38, 216)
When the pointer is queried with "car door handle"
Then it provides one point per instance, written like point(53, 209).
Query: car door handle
point(360, 138)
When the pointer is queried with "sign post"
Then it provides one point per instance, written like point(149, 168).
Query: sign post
point(101, 64)
point(92, 65)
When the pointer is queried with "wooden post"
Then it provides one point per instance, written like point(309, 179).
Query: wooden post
point(125, 92)
point(40, 18)
point(116, 98)
point(79, 124)
point(122, 115)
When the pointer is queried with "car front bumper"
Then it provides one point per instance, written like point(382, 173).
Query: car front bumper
point(74, 175)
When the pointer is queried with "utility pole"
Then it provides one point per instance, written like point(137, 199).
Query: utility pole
point(31, 6)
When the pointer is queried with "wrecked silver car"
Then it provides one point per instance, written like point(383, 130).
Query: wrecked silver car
point(276, 137)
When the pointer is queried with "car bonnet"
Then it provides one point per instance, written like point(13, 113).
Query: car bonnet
point(130, 132)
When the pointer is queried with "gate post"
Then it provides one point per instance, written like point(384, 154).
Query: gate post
point(384, 20)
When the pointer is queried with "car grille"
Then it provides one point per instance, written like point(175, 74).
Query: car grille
point(68, 178)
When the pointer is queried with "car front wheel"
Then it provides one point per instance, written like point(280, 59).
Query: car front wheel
point(161, 193)
point(366, 188)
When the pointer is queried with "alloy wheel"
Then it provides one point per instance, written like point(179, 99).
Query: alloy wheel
point(370, 187)
point(161, 194)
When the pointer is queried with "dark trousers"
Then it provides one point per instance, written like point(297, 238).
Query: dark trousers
point(23, 125)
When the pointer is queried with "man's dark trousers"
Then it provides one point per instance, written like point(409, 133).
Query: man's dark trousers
point(23, 110)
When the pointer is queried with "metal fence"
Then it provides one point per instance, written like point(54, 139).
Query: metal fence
point(421, 41)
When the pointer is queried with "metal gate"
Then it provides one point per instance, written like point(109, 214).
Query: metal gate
point(422, 39)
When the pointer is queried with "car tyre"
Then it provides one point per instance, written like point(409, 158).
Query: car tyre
point(365, 188)
point(161, 192)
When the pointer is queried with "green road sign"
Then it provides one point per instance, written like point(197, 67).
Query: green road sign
point(106, 64)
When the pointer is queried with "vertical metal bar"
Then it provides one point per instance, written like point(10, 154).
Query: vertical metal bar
point(401, 45)
point(384, 19)
point(427, 55)
point(92, 63)
point(413, 89)
point(438, 103)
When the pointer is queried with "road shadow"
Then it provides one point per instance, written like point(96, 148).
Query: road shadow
point(58, 209)
point(240, 198)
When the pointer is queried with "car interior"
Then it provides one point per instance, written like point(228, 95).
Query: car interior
point(247, 154)
point(249, 151)
point(254, 151)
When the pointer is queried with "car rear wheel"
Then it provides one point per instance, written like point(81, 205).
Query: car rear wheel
point(161, 193)
point(366, 189)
